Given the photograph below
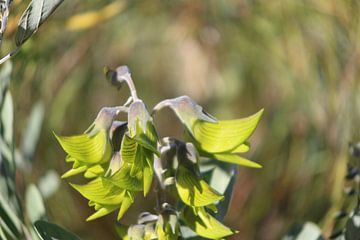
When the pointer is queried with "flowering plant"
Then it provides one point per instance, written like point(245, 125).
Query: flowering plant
point(121, 159)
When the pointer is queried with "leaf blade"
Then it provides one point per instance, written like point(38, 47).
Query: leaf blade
point(35, 14)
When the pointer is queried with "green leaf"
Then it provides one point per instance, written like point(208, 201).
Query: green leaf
point(86, 149)
point(5, 77)
point(50, 231)
point(7, 118)
point(225, 136)
point(9, 217)
point(32, 131)
point(194, 191)
point(34, 204)
point(232, 158)
point(49, 183)
point(100, 192)
point(204, 224)
point(35, 14)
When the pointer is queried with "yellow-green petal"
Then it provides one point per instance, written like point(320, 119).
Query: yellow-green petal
point(84, 148)
point(102, 212)
point(224, 136)
point(194, 191)
point(74, 171)
point(128, 149)
point(122, 179)
point(99, 192)
point(234, 158)
point(128, 200)
point(94, 171)
point(204, 224)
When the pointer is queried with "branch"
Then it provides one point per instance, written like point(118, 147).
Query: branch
point(9, 55)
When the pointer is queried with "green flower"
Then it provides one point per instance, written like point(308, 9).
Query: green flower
point(221, 140)
point(205, 225)
point(89, 150)
point(140, 144)
point(105, 197)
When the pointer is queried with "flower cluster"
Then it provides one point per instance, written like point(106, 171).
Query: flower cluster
point(122, 158)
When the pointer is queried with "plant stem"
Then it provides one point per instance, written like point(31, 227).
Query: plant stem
point(9, 55)
point(131, 86)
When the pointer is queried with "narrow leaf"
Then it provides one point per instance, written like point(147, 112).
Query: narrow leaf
point(32, 132)
point(35, 14)
point(50, 231)
point(34, 204)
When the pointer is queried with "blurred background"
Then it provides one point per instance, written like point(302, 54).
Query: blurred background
point(297, 59)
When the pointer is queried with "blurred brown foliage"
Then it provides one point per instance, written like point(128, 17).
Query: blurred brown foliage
point(297, 59)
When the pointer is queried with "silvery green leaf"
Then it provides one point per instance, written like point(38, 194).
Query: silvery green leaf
point(187, 233)
point(187, 110)
point(32, 131)
point(307, 231)
point(9, 217)
point(223, 182)
point(34, 204)
point(5, 74)
point(34, 15)
point(49, 183)
point(7, 118)
point(50, 231)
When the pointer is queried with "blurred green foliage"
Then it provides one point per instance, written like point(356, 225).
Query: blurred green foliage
point(297, 59)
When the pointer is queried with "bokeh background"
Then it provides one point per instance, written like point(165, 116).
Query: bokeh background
point(297, 59)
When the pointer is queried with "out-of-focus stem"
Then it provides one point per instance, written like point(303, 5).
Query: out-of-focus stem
point(9, 55)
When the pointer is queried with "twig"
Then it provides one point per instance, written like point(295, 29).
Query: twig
point(9, 55)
